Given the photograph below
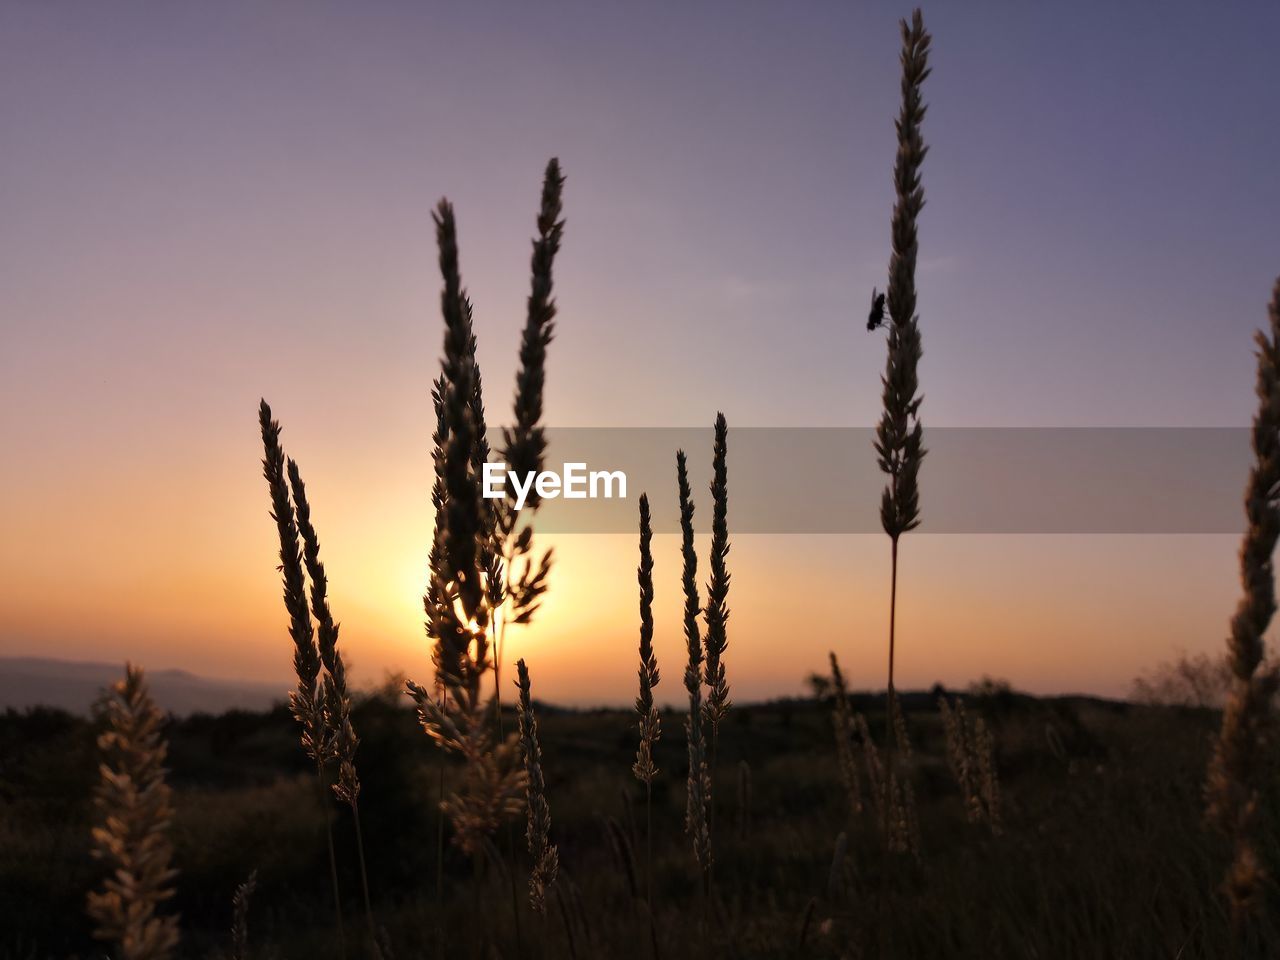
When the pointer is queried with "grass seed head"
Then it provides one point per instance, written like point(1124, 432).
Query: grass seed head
point(131, 837)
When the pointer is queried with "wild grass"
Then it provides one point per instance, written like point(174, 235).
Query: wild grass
point(699, 780)
point(1091, 841)
point(482, 573)
point(716, 614)
point(1103, 853)
point(717, 610)
point(307, 700)
point(899, 435)
point(465, 584)
point(650, 723)
point(545, 857)
point(845, 732)
point(970, 754)
point(341, 739)
point(1241, 759)
point(240, 917)
point(131, 838)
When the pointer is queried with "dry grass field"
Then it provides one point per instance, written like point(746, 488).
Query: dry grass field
point(1102, 850)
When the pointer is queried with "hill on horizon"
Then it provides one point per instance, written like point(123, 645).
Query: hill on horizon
point(73, 685)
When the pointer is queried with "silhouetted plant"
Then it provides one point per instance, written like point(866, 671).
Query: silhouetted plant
point(538, 834)
point(240, 917)
point(699, 784)
point(717, 610)
point(971, 756)
point(650, 723)
point(481, 571)
point(899, 435)
point(842, 721)
point(1240, 757)
point(340, 735)
point(307, 702)
point(134, 812)
point(465, 588)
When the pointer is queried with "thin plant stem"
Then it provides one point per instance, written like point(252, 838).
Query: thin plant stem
point(711, 806)
point(648, 868)
point(440, 853)
point(501, 623)
point(648, 843)
point(364, 875)
point(886, 859)
point(899, 436)
point(333, 860)
point(568, 926)
point(891, 698)
point(515, 894)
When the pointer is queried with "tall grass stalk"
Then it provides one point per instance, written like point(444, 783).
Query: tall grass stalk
point(134, 811)
point(240, 917)
point(431, 604)
point(474, 589)
point(842, 721)
point(1240, 761)
point(340, 733)
point(307, 701)
point(525, 443)
point(962, 756)
point(699, 787)
point(650, 723)
point(516, 599)
point(717, 610)
point(461, 595)
point(899, 435)
point(546, 859)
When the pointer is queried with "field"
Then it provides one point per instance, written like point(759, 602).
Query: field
point(1103, 851)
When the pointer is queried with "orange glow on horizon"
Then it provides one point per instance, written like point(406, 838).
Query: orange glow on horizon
point(173, 564)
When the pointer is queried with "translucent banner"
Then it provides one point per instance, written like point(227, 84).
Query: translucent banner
point(1137, 480)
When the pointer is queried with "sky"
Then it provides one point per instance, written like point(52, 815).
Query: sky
point(201, 205)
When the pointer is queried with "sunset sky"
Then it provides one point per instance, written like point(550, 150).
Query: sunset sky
point(204, 204)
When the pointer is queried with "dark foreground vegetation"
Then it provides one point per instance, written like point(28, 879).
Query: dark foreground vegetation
point(1102, 849)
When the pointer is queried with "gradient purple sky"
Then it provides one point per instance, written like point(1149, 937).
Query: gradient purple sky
point(205, 203)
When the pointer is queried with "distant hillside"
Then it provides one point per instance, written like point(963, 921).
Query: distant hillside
point(74, 685)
